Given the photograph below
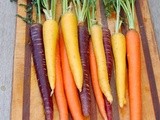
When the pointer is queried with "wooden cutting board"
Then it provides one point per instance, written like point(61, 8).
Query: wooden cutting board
point(26, 99)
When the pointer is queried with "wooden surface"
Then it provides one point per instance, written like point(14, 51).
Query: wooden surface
point(150, 66)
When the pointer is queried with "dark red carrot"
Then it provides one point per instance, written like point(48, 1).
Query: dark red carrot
point(109, 58)
point(85, 96)
point(40, 67)
point(83, 36)
point(108, 50)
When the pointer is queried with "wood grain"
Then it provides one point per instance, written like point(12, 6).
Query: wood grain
point(150, 71)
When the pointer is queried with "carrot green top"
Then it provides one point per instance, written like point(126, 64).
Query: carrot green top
point(49, 8)
point(91, 14)
point(81, 9)
point(128, 7)
point(29, 8)
point(118, 21)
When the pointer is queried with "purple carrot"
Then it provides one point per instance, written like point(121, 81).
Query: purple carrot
point(108, 50)
point(109, 58)
point(85, 95)
point(40, 67)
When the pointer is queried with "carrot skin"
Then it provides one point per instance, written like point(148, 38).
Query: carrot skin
point(59, 89)
point(69, 84)
point(41, 70)
point(134, 69)
point(95, 83)
point(85, 95)
point(109, 58)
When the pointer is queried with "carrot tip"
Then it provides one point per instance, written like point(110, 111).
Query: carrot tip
point(52, 92)
point(122, 103)
point(80, 89)
point(109, 97)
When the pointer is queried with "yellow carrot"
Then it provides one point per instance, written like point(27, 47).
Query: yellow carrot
point(70, 34)
point(119, 52)
point(50, 37)
point(97, 40)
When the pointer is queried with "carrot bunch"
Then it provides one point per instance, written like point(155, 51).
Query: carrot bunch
point(66, 60)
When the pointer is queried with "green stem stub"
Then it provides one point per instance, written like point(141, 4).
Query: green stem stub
point(128, 7)
point(118, 21)
point(29, 8)
point(91, 14)
point(81, 9)
point(49, 8)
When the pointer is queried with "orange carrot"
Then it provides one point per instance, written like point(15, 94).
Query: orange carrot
point(134, 64)
point(95, 83)
point(59, 89)
point(69, 84)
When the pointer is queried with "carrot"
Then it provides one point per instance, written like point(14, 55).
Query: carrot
point(109, 58)
point(134, 62)
point(95, 83)
point(70, 33)
point(50, 37)
point(85, 94)
point(96, 35)
point(134, 69)
point(83, 37)
point(69, 84)
point(119, 51)
point(59, 89)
